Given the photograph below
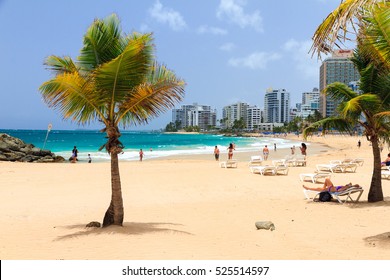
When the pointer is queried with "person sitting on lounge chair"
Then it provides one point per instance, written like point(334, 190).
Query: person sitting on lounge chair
point(328, 186)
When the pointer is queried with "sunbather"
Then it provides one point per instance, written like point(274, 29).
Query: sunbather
point(328, 186)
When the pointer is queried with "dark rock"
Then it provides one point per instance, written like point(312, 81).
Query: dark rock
point(14, 149)
point(94, 224)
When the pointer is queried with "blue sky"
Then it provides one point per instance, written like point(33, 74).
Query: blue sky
point(225, 50)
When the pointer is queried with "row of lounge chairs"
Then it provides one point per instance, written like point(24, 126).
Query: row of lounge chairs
point(343, 166)
point(289, 160)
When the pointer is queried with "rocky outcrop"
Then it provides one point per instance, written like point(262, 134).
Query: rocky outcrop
point(14, 149)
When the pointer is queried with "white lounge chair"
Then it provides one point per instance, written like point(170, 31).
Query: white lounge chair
point(313, 195)
point(255, 160)
point(385, 174)
point(270, 169)
point(314, 177)
point(358, 161)
point(230, 163)
point(337, 167)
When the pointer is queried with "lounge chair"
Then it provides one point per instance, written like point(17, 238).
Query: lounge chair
point(314, 177)
point(385, 174)
point(270, 170)
point(337, 167)
point(358, 161)
point(255, 160)
point(230, 163)
point(337, 195)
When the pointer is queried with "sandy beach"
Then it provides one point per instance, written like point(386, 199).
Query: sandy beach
point(189, 208)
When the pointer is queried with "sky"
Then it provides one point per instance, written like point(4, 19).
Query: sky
point(226, 50)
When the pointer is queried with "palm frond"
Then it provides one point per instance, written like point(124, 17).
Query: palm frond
point(336, 25)
point(72, 97)
point(115, 79)
point(340, 92)
point(60, 65)
point(159, 94)
point(376, 34)
point(340, 124)
point(102, 43)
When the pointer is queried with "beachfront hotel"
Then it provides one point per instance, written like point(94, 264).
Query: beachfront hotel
point(338, 68)
point(276, 106)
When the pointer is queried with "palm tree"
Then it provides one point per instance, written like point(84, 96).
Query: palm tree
point(349, 21)
point(373, 104)
point(115, 80)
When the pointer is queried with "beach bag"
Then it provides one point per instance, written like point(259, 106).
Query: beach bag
point(325, 196)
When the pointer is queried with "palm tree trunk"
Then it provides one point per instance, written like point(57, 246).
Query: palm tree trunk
point(114, 214)
point(376, 194)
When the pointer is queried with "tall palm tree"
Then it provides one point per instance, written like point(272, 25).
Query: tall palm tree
point(114, 80)
point(349, 21)
point(373, 103)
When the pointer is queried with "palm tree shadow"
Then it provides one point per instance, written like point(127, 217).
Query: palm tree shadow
point(126, 229)
point(366, 204)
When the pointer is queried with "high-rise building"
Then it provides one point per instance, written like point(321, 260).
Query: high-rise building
point(253, 118)
point(195, 115)
point(276, 106)
point(310, 102)
point(338, 68)
point(233, 113)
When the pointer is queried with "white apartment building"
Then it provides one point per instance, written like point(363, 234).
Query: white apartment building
point(276, 106)
point(195, 115)
point(234, 112)
point(253, 120)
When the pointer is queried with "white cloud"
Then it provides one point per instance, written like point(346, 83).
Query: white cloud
point(233, 10)
point(211, 30)
point(167, 15)
point(227, 47)
point(307, 65)
point(256, 60)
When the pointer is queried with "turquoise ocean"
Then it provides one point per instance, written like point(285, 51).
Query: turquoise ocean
point(154, 144)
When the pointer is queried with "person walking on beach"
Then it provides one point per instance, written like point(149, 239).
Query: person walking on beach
point(230, 151)
point(89, 158)
point(293, 150)
point(141, 155)
point(216, 153)
point(265, 152)
point(74, 155)
point(275, 147)
point(359, 144)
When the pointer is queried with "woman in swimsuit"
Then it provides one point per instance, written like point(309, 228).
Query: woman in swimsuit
point(328, 186)
point(230, 151)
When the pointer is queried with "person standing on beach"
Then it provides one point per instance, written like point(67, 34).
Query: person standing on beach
point(141, 155)
point(293, 150)
point(230, 151)
point(359, 144)
point(89, 158)
point(216, 153)
point(303, 149)
point(74, 154)
point(265, 152)
point(275, 147)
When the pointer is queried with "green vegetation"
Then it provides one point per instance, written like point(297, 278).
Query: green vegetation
point(115, 80)
point(369, 108)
